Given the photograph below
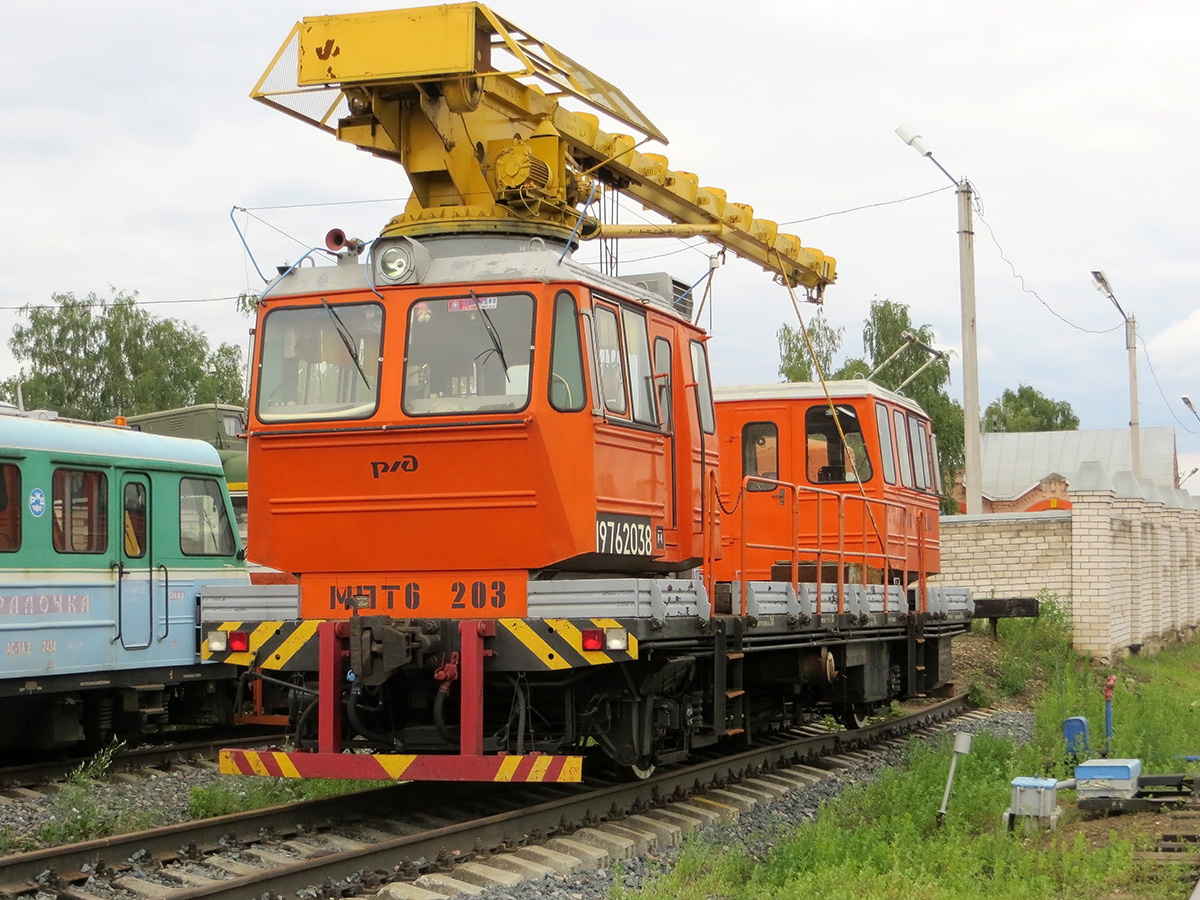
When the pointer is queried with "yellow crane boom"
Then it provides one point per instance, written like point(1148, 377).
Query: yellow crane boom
point(469, 104)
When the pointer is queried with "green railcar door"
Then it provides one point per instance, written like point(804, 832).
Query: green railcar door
point(136, 590)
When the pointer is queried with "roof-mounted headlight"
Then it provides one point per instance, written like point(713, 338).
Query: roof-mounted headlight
point(399, 261)
point(395, 264)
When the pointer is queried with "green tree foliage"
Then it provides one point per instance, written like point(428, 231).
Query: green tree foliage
point(1028, 409)
point(883, 333)
point(795, 362)
point(93, 358)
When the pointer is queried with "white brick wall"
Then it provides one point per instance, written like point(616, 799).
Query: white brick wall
point(1129, 567)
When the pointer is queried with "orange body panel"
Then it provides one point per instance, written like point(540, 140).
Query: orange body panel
point(879, 526)
point(447, 515)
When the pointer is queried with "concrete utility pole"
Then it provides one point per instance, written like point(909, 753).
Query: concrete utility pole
point(970, 357)
point(1135, 441)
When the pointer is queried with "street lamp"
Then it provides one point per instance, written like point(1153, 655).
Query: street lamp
point(1105, 288)
point(1187, 401)
point(970, 358)
point(1188, 475)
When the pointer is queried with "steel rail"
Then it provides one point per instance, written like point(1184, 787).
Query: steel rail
point(544, 811)
point(143, 756)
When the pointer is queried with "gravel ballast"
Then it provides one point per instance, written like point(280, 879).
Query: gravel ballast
point(163, 796)
point(754, 831)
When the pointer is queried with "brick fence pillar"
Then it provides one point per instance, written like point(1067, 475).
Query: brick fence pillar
point(1092, 563)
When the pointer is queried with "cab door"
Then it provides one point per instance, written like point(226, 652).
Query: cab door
point(135, 591)
point(763, 439)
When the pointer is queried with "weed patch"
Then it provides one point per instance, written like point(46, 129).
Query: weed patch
point(240, 794)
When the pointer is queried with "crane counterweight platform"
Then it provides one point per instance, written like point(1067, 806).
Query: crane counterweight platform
point(470, 105)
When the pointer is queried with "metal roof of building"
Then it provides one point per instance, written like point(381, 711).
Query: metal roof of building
point(1015, 462)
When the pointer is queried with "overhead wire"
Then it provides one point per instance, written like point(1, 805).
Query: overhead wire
point(1024, 287)
point(105, 302)
point(1028, 290)
point(1154, 375)
point(842, 212)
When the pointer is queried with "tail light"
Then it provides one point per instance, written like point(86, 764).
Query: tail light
point(593, 639)
point(239, 641)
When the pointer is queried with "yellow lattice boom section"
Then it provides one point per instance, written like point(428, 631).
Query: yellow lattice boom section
point(470, 105)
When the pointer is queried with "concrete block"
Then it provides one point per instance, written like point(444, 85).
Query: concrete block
point(402, 891)
point(151, 890)
point(666, 833)
point(728, 812)
point(736, 796)
point(687, 824)
point(448, 885)
point(708, 813)
point(617, 846)
point(643, 840)
point(528, 869)
point(767, 785)
point(592, 857)
point(562, 863)
point(487, 875)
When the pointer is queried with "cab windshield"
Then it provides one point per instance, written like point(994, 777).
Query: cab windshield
point(468, 354)
point(320, 362)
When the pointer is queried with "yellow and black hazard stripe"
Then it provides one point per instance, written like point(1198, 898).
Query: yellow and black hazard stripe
point(530, 767)
point(552, 644)
point(283, 646)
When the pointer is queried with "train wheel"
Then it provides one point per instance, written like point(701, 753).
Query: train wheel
point(642, 769)
point(853, 716)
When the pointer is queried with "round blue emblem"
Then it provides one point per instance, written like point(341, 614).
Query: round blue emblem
point(37, 502)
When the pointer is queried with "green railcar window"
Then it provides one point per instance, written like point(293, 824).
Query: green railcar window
point(204, 527)
point(10, 509)
point(79, 501)
point(134, 520)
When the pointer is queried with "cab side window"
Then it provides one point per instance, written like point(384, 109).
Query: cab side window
point(641, 373)
point(566, 357)
point(760, 454)
point(920, 452)
point(886, 457)
point(903, 460)
point(832, 460)
point(704, 401)
point(662, 379)
point(204, 527)
point(608, 352)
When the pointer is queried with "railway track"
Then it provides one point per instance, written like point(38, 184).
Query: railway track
point(443, 837)
point(173, 748)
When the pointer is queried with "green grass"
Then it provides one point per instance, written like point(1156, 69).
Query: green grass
point(881, 840)
point(78, 814)
point(238, 793)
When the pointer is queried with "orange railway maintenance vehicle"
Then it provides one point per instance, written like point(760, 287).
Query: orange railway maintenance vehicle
point(524, 532)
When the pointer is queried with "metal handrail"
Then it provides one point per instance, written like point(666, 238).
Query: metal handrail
point(885, 558)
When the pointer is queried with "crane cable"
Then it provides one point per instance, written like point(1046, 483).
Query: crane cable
point(833, 410)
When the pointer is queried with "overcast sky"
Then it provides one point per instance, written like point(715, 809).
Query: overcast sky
point(129, 136)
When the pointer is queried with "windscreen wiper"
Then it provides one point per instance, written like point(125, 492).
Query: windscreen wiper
point(347, 339)
point(492, 333)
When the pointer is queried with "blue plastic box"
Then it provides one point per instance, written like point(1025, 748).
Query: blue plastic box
point(1107, 778)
